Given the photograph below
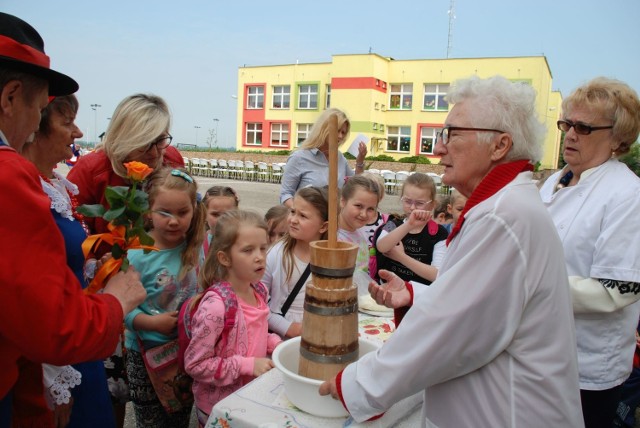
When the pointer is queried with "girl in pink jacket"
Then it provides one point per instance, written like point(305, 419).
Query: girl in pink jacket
point(221, 360)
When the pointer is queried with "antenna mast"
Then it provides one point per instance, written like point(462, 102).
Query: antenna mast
point(452, 17)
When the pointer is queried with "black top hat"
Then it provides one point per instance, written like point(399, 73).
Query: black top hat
point(22, 49)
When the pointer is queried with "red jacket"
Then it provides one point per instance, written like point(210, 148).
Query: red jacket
point(93, 173)
point(45, 316)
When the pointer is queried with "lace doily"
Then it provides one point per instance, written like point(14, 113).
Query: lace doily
point(58, 381)
point(57, 192)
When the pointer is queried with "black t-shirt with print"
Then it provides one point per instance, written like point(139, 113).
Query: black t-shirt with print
point(418, 246)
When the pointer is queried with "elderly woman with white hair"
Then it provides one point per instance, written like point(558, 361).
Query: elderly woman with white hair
point(491, 341)
point(594, 202)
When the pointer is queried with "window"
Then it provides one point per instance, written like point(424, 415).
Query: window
point(401, 96)
point(427, 140)
point(280, 134)
point(254, 134)
point(281, 96)
point(327, 103)
point(382, 126)
point(376, 106)
point(255, 97)
point(308, 97)
point(375, 126)
point(399, 139)
point(304, 129)
point(434, 97)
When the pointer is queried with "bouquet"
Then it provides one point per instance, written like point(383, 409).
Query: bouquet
point(127, 208)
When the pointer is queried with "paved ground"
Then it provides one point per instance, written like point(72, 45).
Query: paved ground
point(262, 196)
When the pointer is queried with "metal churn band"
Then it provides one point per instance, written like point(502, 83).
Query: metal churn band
point(329, 359)
point(330, 311)
point(333, 273)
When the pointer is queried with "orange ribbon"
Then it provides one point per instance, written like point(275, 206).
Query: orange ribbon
point(116, 235)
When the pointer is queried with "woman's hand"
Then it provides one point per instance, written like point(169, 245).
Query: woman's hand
point(362, 152)
point(392, 294)
point(261, 366)
point(329, 387)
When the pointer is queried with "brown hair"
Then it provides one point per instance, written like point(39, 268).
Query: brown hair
point(66, 105)
point(163, 178)
point(226, 233)
point(421, 181)
point(224, 191)
point(363, 182)
point(274, 216)
point(318, 198)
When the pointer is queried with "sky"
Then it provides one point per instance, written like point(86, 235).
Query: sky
point(189, 52)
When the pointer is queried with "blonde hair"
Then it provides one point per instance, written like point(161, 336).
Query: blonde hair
point(616, 101)
point(318, 198)
point(319, 134)
point(226, 233)
point(163, 178)
point(137, 122)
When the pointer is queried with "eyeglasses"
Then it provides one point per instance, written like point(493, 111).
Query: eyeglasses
point(443, 135)
point(417, 203)
point(580, 128)
point(161, 143)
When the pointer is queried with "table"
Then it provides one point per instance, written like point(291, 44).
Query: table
point(262, 403)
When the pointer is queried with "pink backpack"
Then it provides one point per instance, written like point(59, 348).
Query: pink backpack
point(185, 316)
point(373, 261)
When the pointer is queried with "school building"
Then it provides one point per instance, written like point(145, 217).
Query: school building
point(399, 105)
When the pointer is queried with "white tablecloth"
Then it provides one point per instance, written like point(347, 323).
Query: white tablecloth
point(263, 403)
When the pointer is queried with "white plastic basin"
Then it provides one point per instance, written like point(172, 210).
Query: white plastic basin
point(303, 391)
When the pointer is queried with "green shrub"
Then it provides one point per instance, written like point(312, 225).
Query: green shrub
point(416, 159)
point(381, 158)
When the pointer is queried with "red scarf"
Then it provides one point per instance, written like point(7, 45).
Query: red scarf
point(497, 178)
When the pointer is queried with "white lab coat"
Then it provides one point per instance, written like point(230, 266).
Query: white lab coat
point(491, 341)
point(597, 220)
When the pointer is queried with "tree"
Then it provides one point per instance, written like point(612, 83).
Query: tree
point(632, 159)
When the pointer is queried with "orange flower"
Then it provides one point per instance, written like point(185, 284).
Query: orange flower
point(137, 170)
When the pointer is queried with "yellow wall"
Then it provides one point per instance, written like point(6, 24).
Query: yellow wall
point(360, 104)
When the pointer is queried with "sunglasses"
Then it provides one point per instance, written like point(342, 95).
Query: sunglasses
point(580, 128)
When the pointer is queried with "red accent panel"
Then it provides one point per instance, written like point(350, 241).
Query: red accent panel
point(267, 126)
point(358, 83)
point(419, 131)
point(253, 115)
